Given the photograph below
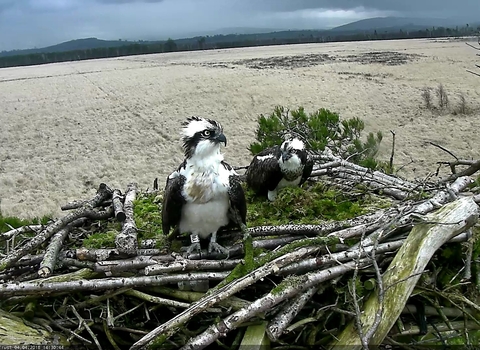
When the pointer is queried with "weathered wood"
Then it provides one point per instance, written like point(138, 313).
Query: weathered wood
point(406, 268)
point(131, 264)
point(191, 265)
point(87, 210)
point(14, 332)
point(51, 253)
point(44, 287)
point(167, 329)
point(316, 230)
point(103, 190)
point(267, 302)
point(189, 296)
point(277, 326)
point(126, 241)
point(118, 205)
point(19, 230)
point(101, 254)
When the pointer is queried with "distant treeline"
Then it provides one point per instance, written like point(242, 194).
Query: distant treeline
point(229, 41)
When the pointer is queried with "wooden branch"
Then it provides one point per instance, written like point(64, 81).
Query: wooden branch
point(85, 211)
point(168, 328)
point(475, 73)
point(157, 300)
point(44, 288)
point(277, 326)
point(467, 172)
point(374, 176)
point(328, 259)
point(103, 190)
point(393, 151)
point(265, 303)
point(444, 149)
point(118, 205)
point(110, 267)
point(407, 266)
point(51, 253)
point(316, 230)
point(126, 241)
point(100, 254)
point(191, 265)
point(20, 230)
point(476, 48)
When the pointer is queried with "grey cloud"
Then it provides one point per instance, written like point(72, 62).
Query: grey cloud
point(29, 23)
point(385, 5)
point(117, 2)
point(6, 4)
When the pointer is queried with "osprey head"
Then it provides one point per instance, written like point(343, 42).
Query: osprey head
point(290, 147)
point(202, 136)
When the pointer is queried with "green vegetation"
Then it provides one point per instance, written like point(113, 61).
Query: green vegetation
point(309, 204)
point(148, 218)
point(100, 240)
point(147, 214)
point(318, 130)
point(443, 104)
point(9, 222)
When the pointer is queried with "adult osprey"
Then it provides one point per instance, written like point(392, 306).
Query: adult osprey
point(279, 166)
point(204, 194)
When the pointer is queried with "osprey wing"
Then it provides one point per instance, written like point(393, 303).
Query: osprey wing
point(307, 170)
point(173, 201)
point(264, 173)
point(237, 212)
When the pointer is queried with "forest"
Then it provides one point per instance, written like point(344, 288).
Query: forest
point(228, 41)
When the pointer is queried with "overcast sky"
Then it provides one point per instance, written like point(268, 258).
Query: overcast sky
point(39, 23)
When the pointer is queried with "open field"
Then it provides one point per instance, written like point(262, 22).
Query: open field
point(66, 127)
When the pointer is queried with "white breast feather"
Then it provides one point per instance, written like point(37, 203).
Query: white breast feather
point(292, 164)
point(206, 193)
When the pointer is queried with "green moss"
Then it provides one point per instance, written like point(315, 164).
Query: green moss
point(310, 204)
point(9, 222)
point(148, 216)
point(100, 240)
point(290, 281)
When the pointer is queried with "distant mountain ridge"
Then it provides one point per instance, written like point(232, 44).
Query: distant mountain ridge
point(379, 24)
point(396, 23)
point(77, 44)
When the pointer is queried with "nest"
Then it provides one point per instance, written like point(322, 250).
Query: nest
point(375, 279)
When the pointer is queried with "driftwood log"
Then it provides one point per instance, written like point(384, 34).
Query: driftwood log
point(285, 292)
point(126, 241)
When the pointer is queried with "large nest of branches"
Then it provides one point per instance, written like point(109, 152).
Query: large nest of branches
point(355, 257)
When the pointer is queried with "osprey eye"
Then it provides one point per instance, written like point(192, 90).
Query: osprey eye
point(206, 133)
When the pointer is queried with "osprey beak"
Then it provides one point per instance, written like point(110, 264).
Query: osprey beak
point(221, 138)
point(286, 156)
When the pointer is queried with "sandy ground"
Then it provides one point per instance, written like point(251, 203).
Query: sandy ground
point(67, 127)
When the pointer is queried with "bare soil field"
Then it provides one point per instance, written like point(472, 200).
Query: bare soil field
point(67, 127)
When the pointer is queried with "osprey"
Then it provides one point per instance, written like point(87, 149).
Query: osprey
point(279, 166)
point(204, 194)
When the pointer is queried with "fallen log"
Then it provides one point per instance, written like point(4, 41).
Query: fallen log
point(381, 311)
point(45, 288)
point(126, 241)
point(15, 332)
point(118, 206)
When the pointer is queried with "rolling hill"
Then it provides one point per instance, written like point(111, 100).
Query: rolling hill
point(380, 24)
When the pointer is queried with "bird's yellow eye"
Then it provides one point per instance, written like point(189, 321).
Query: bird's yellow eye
point(206, 132)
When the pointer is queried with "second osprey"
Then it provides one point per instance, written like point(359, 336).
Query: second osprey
point(279, 166)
